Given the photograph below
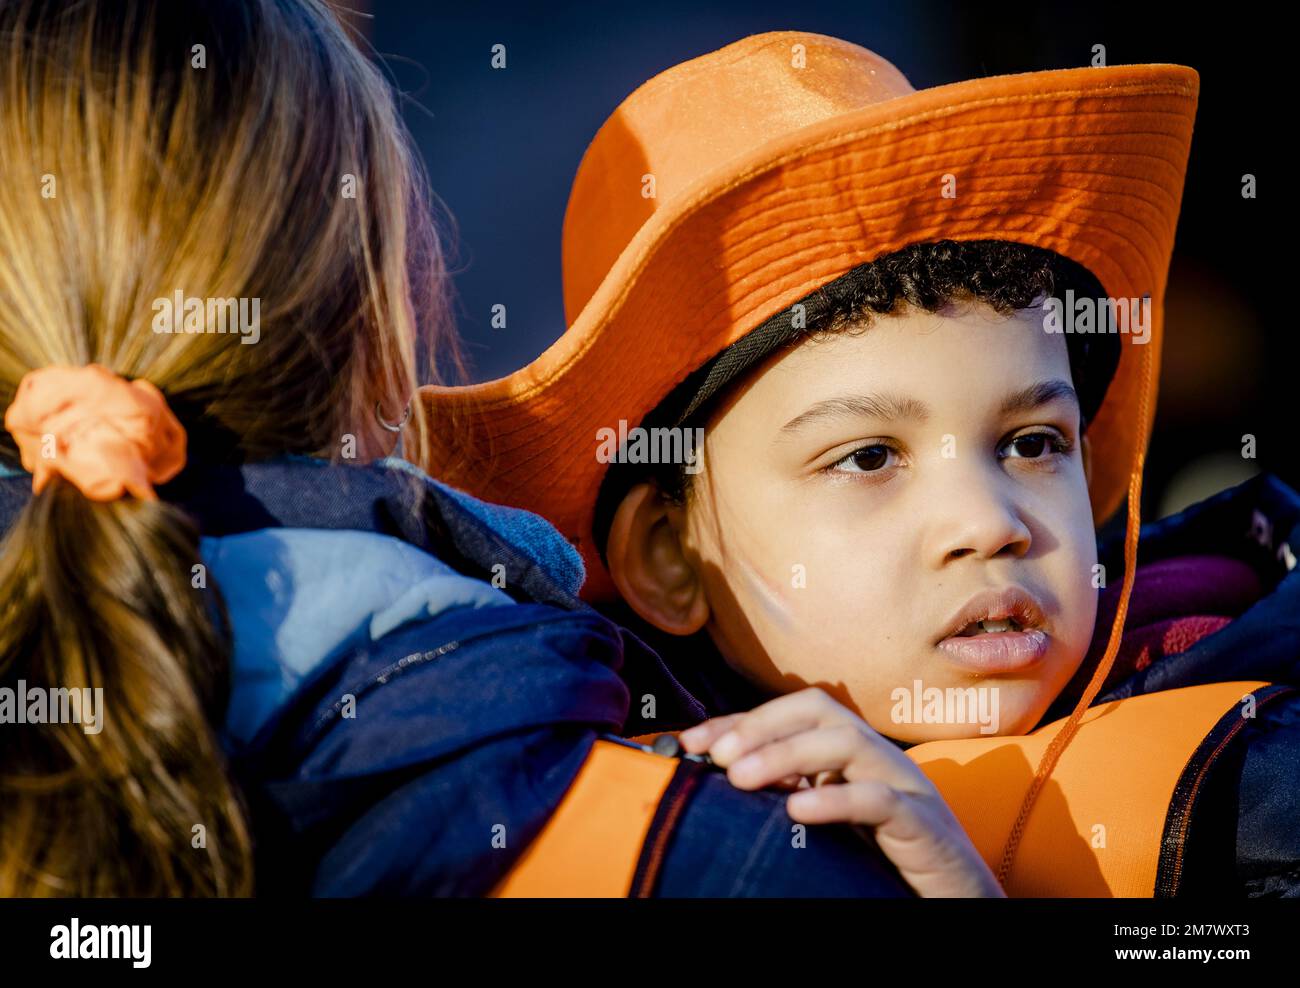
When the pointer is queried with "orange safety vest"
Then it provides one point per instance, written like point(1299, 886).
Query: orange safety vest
point(1109, 822)
point(1112, 818)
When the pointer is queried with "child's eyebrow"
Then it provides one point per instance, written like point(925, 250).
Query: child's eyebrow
point(890, 407)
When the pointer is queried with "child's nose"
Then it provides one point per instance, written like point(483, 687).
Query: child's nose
point(977, 519)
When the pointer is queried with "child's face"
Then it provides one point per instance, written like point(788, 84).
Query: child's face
point(814, 555)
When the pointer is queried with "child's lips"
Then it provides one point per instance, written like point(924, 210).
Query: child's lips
point(997, 652)
point(992, 652)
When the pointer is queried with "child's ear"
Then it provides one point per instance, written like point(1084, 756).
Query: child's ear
point(1085, 450)
point(653, 574)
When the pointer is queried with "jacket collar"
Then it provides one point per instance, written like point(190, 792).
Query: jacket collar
point(507, 546)
point(1257, 523)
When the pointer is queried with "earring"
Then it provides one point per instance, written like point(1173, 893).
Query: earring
point(379, 414)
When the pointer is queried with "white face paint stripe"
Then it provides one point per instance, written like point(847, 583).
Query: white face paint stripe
point(772, 604)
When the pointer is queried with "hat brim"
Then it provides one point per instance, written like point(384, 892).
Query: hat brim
point(1087, 162)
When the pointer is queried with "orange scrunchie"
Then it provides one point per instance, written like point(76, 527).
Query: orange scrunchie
point(109, 435)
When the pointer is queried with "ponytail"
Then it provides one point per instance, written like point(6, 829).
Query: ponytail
point(132, 174)
point(102, 596)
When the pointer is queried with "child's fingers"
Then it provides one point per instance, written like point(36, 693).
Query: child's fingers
point(868, 802)
point(701, 737)
point(842, 748)
point(780, 718)
point(916, 839)
point(923, 840)
point(927, 843)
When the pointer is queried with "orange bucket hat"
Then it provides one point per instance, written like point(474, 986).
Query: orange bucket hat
point(731, 186)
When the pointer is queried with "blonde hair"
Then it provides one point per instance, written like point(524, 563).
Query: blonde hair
point(206, 147)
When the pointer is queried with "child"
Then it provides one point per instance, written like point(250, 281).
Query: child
point(919, 334)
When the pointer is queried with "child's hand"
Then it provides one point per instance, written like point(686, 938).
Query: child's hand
point(860, 778)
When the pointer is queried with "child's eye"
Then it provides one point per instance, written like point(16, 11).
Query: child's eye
point(1033, 445)
point(871, 458)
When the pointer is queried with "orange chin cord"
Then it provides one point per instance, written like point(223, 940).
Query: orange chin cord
point(1063, 737)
